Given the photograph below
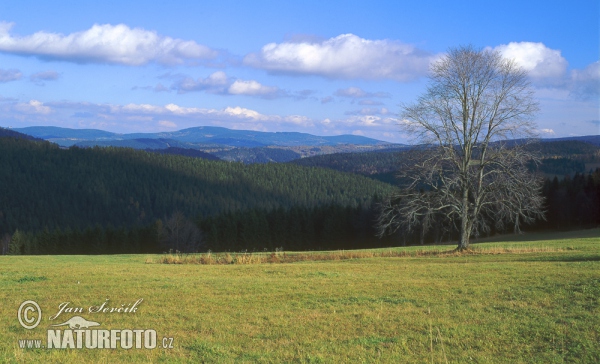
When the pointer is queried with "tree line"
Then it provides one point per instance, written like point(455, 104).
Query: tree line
point(328, 227)
point(570, 203)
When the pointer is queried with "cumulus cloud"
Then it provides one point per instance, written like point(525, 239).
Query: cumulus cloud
point(253, 88)
point(220, 83)
point(105, 43)
point(346, 56)
point(539, 60)
point(215, 83)
point(548, 69)
point(245, 113)
point(356, 93)
point(10, 75)
point(370, 120)
point(33, 107)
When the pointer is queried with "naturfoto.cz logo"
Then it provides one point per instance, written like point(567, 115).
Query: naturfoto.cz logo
point(82, 333)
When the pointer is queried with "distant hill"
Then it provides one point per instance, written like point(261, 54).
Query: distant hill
point(54, 132)
point(592, 139)
point(10, 133)
point(195, 136)
point(250, 138)
point(559, 157)
point(142, 143)
point(567, 147)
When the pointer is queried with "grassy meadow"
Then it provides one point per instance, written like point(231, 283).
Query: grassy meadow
point(528, 299)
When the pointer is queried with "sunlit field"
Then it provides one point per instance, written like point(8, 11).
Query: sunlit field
point(531, 298)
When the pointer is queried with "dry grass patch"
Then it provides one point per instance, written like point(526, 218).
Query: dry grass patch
point(284, 257)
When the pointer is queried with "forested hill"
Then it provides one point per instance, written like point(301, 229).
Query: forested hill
point(8, 133)
point(558, 157)
point(365, 163)
point(185, 152)
point(44, 186)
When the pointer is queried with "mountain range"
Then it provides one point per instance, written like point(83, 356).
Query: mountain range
point(194, 137)
point(245, 146)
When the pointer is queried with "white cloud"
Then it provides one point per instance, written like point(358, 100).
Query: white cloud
point(370, 102)
point(219, 83)
point(539, 60)
point(227, 114)
point(33, 107)
point(104, 43)
point(215, 83)
point(357, 93)
point(178, 110)
point(143, 108)
point(546, 131)
point(346, 56)
point(10, 75)
point(369, 111)
point(252, 88)
point(548, 70)
point(243, 112)
point(369, 121)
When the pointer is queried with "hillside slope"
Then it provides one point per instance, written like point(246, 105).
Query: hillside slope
point(51, 187)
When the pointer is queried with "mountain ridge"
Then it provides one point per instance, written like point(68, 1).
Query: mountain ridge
point(197, 135)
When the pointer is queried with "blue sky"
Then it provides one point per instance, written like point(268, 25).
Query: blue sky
point(321, 67)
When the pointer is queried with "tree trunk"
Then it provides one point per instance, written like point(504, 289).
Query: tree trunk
point(465, 229)
point(465, 234)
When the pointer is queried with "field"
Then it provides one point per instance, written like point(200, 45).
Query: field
point(539, 303)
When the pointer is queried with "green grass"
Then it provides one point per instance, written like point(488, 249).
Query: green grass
point(539, 305)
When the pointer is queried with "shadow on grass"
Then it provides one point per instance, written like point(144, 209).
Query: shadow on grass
point(541, 235)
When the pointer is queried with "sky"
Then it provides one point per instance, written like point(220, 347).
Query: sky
point(320, 67)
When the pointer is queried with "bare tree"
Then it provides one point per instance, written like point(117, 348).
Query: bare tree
point(473, 126)
point(180, 234)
